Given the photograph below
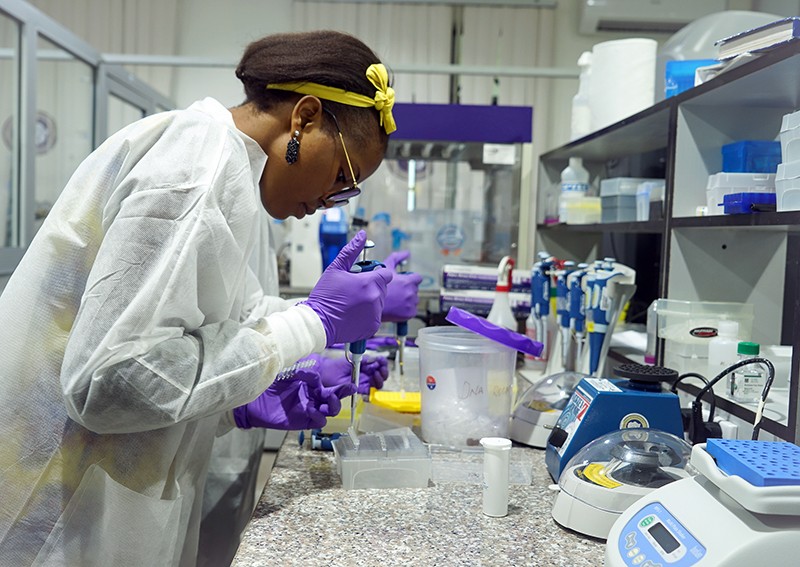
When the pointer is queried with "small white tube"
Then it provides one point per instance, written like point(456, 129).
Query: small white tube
point(496, 451)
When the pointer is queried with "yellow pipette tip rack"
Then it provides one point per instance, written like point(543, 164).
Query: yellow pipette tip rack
point(403, 402)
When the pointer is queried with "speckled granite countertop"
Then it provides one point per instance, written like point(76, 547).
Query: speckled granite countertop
point(305, 518)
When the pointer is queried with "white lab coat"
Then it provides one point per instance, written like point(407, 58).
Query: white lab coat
point(230, 489)
point(130, 327)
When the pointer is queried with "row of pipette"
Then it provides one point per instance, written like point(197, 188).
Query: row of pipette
point(588, 301)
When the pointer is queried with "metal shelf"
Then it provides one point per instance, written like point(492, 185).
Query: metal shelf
point(641, 227)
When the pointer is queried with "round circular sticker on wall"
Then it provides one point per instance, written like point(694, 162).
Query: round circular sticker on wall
point(44, 134)
point(450, 238)
point(430, 382)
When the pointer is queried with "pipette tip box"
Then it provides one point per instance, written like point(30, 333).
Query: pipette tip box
point(761, 463)
point(390, 459)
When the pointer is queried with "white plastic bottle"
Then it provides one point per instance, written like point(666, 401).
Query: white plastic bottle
point(747, 382)
point(496, 454)
point(501, 313)
point(722, 352)
point(581, 123)
point(574, 185)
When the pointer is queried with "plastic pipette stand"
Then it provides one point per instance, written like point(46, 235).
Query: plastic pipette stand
point(389, 459)
point(356, 349)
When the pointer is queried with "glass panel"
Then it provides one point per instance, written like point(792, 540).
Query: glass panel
point(446, 203)
point(9, 114)
point(121, 113)
point(64, 121)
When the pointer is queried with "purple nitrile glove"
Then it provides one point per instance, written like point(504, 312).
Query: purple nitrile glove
point(349, 304)
point(299, 402)
point(375, 343)
point(335, 371)
point(402, 293)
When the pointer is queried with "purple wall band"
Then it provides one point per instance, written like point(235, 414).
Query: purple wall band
point(463, 123)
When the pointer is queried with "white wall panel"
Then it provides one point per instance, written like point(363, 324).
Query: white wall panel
point(123, 26)
point(399, 35)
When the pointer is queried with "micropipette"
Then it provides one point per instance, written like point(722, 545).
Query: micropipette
point(355, 350)
point(577, 314)
point(540, 300)
point(402, 333)
point(562, 311)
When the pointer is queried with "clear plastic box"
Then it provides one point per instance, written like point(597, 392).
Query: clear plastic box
point(721, 184)
point(688, 326)
point(622, 185)
point(618, 208)
point(389, 459)
point(647, 192)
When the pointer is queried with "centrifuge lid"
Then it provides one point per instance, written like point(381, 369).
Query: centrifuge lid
point(644, 458)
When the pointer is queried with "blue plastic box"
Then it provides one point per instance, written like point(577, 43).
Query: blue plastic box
point(751, 156)
point(743, 203)
point(679, 75)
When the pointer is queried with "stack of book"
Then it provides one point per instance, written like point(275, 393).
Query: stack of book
point(760, 39)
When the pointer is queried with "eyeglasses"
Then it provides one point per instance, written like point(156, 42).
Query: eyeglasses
point(341, 198)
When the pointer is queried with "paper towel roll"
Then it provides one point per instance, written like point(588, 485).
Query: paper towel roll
point(622, 79)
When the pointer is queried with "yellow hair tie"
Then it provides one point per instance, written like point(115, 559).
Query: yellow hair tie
point(383, 101)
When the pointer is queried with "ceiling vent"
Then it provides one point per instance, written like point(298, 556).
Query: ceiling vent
point(648, 16)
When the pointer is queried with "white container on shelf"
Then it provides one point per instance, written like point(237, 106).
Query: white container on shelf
point(721, 184)
point(722, 352)
point(586, 210)
point(789, 136)
point(687, 327)
point(574, 185)
point(647, 192)
point(787, 186)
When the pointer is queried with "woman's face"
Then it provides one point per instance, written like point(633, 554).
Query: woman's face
point(321, 170)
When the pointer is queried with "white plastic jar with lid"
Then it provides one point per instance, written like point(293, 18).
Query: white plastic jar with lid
point(722, 352)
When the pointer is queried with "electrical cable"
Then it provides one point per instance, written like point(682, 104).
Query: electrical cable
point(674, 389)
point(697, 403)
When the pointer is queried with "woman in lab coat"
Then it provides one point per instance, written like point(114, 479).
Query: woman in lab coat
point(135, 326)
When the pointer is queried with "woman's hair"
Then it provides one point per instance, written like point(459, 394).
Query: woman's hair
point(325, 57)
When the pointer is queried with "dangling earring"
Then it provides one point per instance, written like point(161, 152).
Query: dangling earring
point(292, 148)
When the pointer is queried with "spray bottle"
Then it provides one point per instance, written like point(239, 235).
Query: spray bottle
point(501, 313)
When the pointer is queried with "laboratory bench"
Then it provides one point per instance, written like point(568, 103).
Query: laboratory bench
point(305, 518)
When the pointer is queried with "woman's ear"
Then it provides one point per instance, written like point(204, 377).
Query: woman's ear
point(307, 114)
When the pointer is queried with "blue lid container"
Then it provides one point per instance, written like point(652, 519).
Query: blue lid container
point(679, 75)
point(742, 203)
point(751, 156)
